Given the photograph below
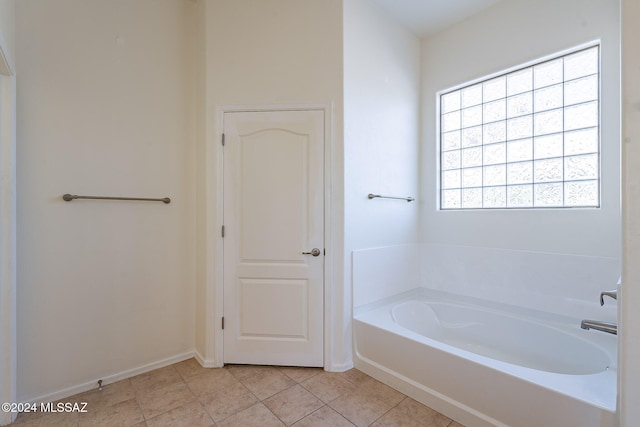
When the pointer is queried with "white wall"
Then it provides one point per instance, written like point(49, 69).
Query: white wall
point(261, 53)
point(382, 104)
point(105, 107)
point(564, 284)
point(629, 384)
point(506, 35)
point(383, 272)
point(382, 125)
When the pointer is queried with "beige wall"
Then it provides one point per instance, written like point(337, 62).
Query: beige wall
point(7, 26)
point(122, 98)
point(274, 51)
point(8, 333)
point(259, 52)
point(629, 384)
point(105, 107)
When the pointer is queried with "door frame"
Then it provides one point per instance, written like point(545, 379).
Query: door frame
point(215, 311)
point(8, 229)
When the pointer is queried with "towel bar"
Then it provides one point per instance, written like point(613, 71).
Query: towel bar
point(374, 196)
point(70, 197)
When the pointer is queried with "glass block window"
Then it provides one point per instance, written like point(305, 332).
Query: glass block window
point(525, 139)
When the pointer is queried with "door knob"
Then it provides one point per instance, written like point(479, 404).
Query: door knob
point(314, 252)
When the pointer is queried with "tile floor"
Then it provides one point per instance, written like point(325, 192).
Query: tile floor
point(185, 394)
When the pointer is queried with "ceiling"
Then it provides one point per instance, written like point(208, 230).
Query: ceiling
point(425, 17)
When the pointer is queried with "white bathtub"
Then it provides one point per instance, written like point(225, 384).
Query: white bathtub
point(485, 364)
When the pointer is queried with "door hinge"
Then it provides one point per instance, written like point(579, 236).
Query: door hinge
point(222, 233)
point(223, 139)
point(222, 322)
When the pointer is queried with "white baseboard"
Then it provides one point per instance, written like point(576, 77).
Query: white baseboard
point(338, 367)
point(7, 418)
point(206, 363)
point(111, 378)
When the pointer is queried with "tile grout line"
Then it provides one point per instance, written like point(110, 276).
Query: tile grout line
point(295, 382)
point(390, 409)
point(299, 383)
point(355, 379)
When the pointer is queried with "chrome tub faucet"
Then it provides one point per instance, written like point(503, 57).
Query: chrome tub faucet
point(608, 327)
point(613, 294)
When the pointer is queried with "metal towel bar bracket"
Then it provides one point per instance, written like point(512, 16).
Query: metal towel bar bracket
point(375, 196)
point(70, 197)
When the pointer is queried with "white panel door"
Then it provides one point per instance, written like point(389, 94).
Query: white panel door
point(273, 213)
